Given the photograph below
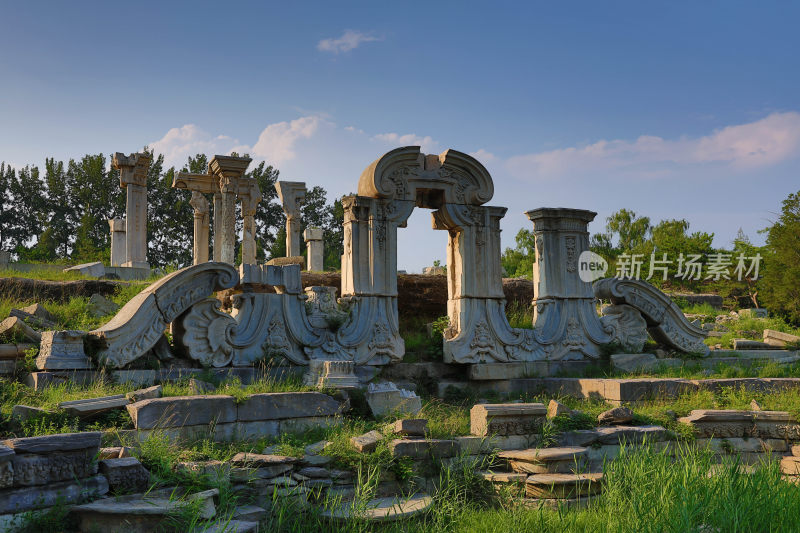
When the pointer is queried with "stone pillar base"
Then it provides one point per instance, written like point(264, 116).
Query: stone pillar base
point(136, 264)
point(62, 350)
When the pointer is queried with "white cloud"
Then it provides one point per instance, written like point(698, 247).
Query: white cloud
point(180, 143)
point(765, 142)
point(350, 40)
point(427, 143)
point(277, 142)
point(484, 156)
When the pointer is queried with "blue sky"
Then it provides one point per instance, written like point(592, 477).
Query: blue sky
point(684, 110)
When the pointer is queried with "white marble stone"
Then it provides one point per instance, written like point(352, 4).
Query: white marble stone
point(118, 241)
point(292, 194)
point(133, 178)
point(314, 248)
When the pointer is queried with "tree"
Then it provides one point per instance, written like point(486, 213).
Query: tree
point(269, 215)
point(518, 261)
point(28, 201)
point(630, 229)
point(7, 177)
point(170, 217)
point(60, 229)
point(780, 284)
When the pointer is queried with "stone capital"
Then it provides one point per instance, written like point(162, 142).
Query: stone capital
point(132, 168)
point(292, 194)
point(117, 224)
point(312, 234)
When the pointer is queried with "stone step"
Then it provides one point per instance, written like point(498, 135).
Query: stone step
point(381, 509)
point(547, 460)
point(563, 486)
point(94, 406)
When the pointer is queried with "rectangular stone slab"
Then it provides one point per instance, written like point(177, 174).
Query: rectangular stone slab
point(279, 405)
point(545, 455)
point(26, 498)
point(507, 418)
point(94, 406)
point(563, 485)
point(179, 411)
point(35, 469)
point(54, 443)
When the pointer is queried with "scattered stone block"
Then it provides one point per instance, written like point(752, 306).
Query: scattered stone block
point(747, 344)
point(92, 270)
point(411, 427)
point(507, 418)
point(790, 465)
point(728, 423)
point(316, 448)
point(314, 472)
point(616, 416)
point(156, 391)
point(423, 448)
point(779, 338)
point(563, 486)
point(177, 411)
point(631, 434)
point(21, 499)
point(15, 327)
point(249, 513)
point(39, 311)
point(385, 398)
point(32, 320)
point(25, 412)
point(114, 452)
point(94, 406)
point(100, 306)
point(555, 408)
point(55, 443)
point(546, 460)
point(232, 526)
point(753, 313)
point(125, 474)
point(382, 509)
point(215, 471)
point(198, 387)
point(316, 460)
point(62, 350)
point(141, 513)
point(281, 405)
point(634, 362)
point(257, 460)
point(367, 442)
point(755, 406)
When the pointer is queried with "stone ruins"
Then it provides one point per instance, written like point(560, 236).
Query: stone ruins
point(361, 328)
point(133, 178)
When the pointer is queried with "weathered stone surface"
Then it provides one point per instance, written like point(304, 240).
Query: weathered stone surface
point(555, 408)
point(563, 485)
point(35, 321)
point(26, 498)
point(156, 391)
point(727, 423)
point(411, 427)
point(316, 448)
point(631, 434)
point(114, 452)
point(423, 448)
point(182, 411)
point(91, 270)
point(39, 311)
point(790, 465)
point(753, 313)
point(125, 474)
point(505, 477)
point(198, 387)
point(279, 405)
point(616, 416)
point(6, 467)
point(382, 509)
point(25, 412)
point(60, 442)
point(742, 445)
point(62, 350)
point(316, 460)
point(141, 513)
point(779, 338)
point(385, 398)
point(546, 460)
point(257, 460)
point(263, 471)
point(137, 378)
point(94, 406)
point(747, 344)
point(15, 327)
point(314, 248)
point(100, 306)
point(507, 418)
point(314, 472)
point(367, 442)
point(634, 362)
point(215, 471)
point(34, 469)
point(249, 513)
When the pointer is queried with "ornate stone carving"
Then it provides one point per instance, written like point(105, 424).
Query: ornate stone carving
point(628, 325)
point(665, 321)
point(62, 350)
point(207, 333)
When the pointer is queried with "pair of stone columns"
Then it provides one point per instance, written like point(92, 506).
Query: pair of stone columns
point(133, 178)
point(292, 194)
point(226, 182)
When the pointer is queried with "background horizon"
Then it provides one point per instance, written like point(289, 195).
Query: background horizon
point(681, 111)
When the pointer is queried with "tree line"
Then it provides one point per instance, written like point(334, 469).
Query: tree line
point(60, 213)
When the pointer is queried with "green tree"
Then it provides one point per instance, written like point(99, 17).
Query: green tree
point(60, 228)
point(518, 261)
point(170, 216)
point(631, 230)
point(780, 283)
point(27, 192)
point(7, 177)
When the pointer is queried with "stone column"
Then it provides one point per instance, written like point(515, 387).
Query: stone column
point(133, 177)
point(217, 226)
point(228, 170)
point(314, 248)
point(118, 245)
point(201, 215)
point(250, 196)
point(292, 195)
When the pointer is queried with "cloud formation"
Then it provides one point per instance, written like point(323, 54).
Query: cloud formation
point(762, 143)
point(427, 143)
point(350, 40)
point(180, 143)
point(277, 142)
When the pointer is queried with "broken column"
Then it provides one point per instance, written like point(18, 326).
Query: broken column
point(62, 350)
point(292, 195)
point(133, 178)
point(314, 248)
point(201, 217)
point(250, 195)
point(118, 245)
point(228, 170)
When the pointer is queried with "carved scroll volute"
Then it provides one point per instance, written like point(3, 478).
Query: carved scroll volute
point(387, 176)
